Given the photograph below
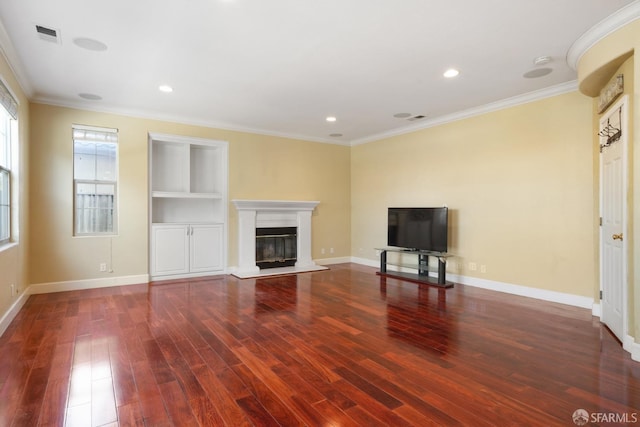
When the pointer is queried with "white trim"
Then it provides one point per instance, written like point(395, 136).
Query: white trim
point(181, 139)
point(329, 261)
point(15, 65)
point(94, 128)
point(632, 347)
point(537, 95)
point(365, 261)
point(602, 29)
point(141, 114)
point(163, 277)
point(77, 285)
point(275, 205)
point(596, 310)
point(525, 291)
point(514, 101)
point(13, 311)
point(476, 111)
point(7, 245)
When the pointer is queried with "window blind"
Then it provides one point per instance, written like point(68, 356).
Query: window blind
point(8, 101)
point(94, 134)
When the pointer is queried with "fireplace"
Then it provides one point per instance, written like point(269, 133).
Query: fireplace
point(276, 247)
point(254, 215)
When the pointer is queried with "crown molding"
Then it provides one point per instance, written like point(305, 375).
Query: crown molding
point(15, 65)
point(537, 95)
point(602, 29)
point(141, 114)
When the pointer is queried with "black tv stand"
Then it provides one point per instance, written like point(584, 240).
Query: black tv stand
point(422, 267)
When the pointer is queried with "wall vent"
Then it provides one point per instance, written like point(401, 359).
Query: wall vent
point(48, 34)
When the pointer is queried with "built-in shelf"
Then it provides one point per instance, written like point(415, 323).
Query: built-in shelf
point(188, 206)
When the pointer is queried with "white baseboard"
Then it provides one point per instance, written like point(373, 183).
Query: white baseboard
point(596, 310)
point(337, 260)
point(364, 261)
point(632, 347)
point(10, 314)
point(525, 291)
point(76, 285)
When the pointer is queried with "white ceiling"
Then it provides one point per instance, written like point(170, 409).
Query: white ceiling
point(281, 66)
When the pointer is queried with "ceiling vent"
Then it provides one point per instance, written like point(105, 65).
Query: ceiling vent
point(48, 34)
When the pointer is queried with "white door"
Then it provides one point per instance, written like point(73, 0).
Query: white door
point(612, 232)
point(169, 249)
point(206, 248)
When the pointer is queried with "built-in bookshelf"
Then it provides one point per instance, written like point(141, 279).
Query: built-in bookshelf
point(188, 205)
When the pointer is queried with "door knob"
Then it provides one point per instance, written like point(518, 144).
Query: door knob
point(617, 237)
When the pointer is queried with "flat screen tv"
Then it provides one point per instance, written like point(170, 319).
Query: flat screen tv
point(418, 228)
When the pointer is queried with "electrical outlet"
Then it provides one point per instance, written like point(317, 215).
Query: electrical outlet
point(473, 266)
point(483, 268)
point(322, 251)
point(103, 266)
point(331, 250)
point(13, 290)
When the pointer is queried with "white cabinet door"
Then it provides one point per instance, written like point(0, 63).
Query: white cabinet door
point(169, 249)
point(206, 247)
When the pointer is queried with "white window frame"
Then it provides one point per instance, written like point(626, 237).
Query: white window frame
point(8, 145)
point(7, 226)
point(96, 182)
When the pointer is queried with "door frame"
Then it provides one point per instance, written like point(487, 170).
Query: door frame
point(624, 140)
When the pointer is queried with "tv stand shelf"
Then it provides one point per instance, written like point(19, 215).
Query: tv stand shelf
point(422, 267)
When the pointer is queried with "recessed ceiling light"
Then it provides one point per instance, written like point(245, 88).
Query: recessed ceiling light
point(451, 72)
point(90, 44)
point(335, 135)
point(165, 88)
point(402, 115)
point(331, 119)
point(90, 96)
point(537, 72)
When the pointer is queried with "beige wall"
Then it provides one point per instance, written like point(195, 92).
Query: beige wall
point(601, 62)
point(13, 258)
point(518, 184)
point(260, 167)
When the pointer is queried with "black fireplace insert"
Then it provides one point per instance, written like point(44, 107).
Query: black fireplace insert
point(276, 247)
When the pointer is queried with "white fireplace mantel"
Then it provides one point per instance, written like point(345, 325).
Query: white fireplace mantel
point(273, 213)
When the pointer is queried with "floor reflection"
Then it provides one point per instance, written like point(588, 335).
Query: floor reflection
point(276, 294)
point(417, 314)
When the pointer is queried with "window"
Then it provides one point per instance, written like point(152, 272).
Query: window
point(8, 132)
point(95, 172)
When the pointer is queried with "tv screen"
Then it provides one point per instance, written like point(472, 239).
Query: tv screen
point(418, 228)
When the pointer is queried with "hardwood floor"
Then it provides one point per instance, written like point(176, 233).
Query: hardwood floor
point(342, 347)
